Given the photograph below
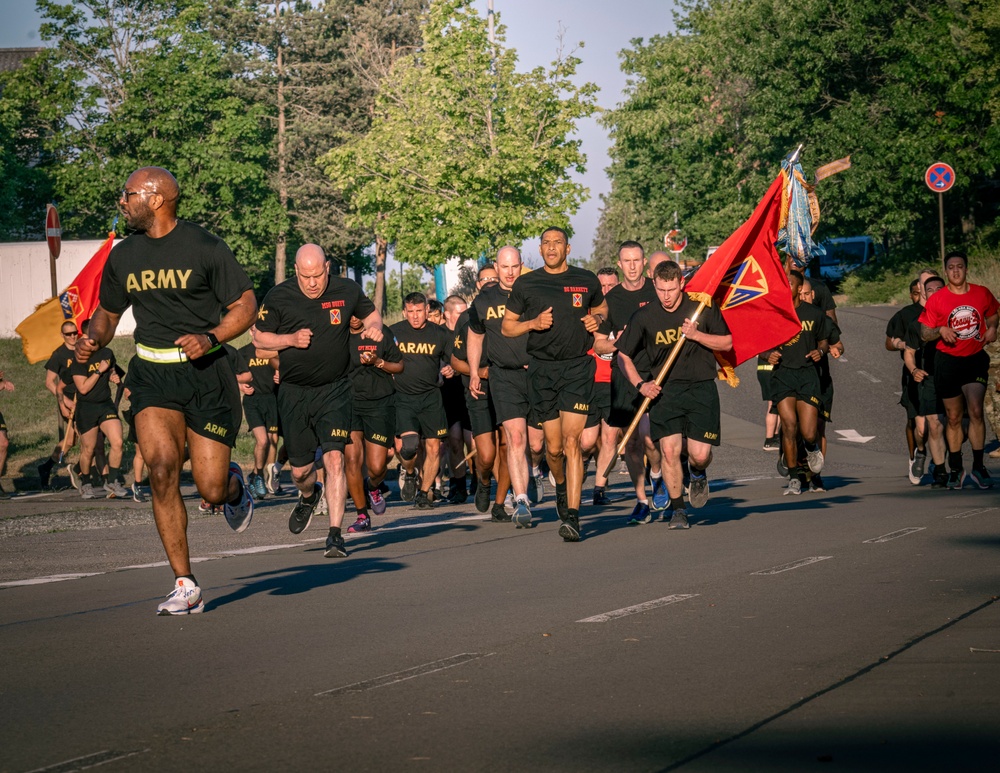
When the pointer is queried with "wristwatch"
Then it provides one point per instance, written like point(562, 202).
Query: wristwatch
point(212, 340)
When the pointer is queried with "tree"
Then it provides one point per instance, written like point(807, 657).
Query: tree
point(412, 280)
point(459, 161)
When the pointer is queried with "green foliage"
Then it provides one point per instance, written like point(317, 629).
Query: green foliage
point(414, 280)
point(711, 111)
point(459, 162)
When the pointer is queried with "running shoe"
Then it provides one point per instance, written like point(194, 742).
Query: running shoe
point(499, 514)
point(601, 499)
point(269, 478)
point(508, 503)
point(981, 477)
point(257, 486)
point(782, 467)
point(302, 515)
point(184, 599)
point(335, 546)
point(74, 477)
point(362, 524)
point(522, 514)
point(483, 497)
point(118, 490)
point(917, 467)
point(939, 476)
point(407, 485)
point(238, 516)
point(109, 490)
point(562, 502)
point(422, 501)
point(679, 520)
point(794, 487)
point(956, 478)
point(816, 483)
point(138, 496)
point(322, 507)
point(698, 491)
point(375, 498)
point(815, 460)
point(772, 444)
point(661, 497)
point(569, 529)
point(205, 506)
point(275, 478)
point(87, 491)
point(640, 514)
point(536, 488)
point(457, 492)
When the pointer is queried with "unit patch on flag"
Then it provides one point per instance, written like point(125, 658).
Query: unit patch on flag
point(334, 316)
point(744, 282)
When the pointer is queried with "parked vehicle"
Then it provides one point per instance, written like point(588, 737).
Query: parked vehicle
point(845, 254)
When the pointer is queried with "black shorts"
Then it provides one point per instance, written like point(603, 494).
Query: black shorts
point(688, 408)
point(314, 417)
point(376, 420)
point(764, 371)
point(261, 411)
point(928, 403)
point(91, 415)
point(423, 414)
point(909, 397)
point(952, 373)
point(3, 423)
point(509, 394)
point(482, 417)
point(625, 399)
point(203, 390)
point(600, 405)
point(800, 383)
point(453, 397)
point(557, 386)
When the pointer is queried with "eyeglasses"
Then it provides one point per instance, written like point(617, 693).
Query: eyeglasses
point(73, 334)
point(126, 194)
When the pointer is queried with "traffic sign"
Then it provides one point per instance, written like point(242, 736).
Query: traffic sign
point(675, 241)
point(939, 177)
point(53, 231)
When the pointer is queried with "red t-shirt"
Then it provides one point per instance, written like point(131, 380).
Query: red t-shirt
point(603, 374)
point(966, 314)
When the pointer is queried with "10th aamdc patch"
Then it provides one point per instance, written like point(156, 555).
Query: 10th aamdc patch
point(334, 316)
point(578, 299)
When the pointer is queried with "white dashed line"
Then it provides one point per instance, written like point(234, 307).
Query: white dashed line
point(970, 513)
point(48, 579)
point(88, 761)
point(637, 608)
point(894, 535)
point(869, 376)
point(409, 673)
point(792, 565)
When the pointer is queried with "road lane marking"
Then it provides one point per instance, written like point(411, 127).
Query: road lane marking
point(88, 761)
point(49, 578)
point(637, 608)
point(894, 535)
point(853, 436)
point(409, 673)
point(869, 376)
point(970, 513)
point(792, 565)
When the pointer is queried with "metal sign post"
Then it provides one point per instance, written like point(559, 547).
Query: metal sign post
point(53, 235)
point(939, 178)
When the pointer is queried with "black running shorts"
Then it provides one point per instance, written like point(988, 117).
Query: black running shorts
point(482, 417)
point(909, 397)
point(314, 417)
point(928, 403)
point(952, 373)
point(91, 415)
point(557, 386)
point(764, 371)
point(203, 390)
point(376, 420)
point(800, 383)
point(625, 399)
point(600, 405)
point(509, 394)
point(423, 414)
point(688, 408)
point(453, 397)
point(261, 411)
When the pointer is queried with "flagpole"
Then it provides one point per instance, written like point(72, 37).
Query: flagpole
point(646, 400)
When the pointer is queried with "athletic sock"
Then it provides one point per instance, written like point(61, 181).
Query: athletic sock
point(954, 460)
point(696, 472)
point(334, 531)
point(535, 472)
point(363, 513)
point(811, 447)
point(312, 497)
point(977, 459)
point(676, 503)
point(655, 475)
point(96, 479)
point(114, 474)
point(187, 577)
point(571, 513)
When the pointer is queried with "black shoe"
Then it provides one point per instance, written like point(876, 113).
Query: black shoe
point(335, 546)
point(562, 503)
point(816, 483)
point(679, 520)
point(45, 472)
point(939, 476)
point(772, 444)
point(569, 529)
point(601, 499)
point(482, 496)
point(384, 488)
point(408, 486)
point(458, 494)
point(302, 515)
point(956, 478)
point(499, 514)
point(782, 467)
point(423, 501)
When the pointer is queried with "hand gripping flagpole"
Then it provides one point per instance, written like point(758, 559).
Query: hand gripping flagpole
point(660, 377)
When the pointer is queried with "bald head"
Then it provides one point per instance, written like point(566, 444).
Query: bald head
point(311, 270)
point(508, 265)
point(149, 201)
point(656, 259)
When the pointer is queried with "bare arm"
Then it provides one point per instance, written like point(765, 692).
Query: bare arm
point(512, 326)
point(460, 366)
point(86, 383)
point(894, 344)
point(51, 379)
point(603, 344)
point(373, 326)
point(715, 343)
point(474, 350)
point(102, 329)
point(239, 317)
point(648, 389)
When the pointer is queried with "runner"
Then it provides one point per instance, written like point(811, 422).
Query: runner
point(373, 365)
point(306, 320)
point(635, 291)
point(686, 406)
point(453, 393)
point(178, 278)
point(420, 417)
point(600, 438)
point(507, 359)
point(96, 414)
point(796, 388)
point(558, 309)
point(56, 368)
point(260, 406)
point(962, 320)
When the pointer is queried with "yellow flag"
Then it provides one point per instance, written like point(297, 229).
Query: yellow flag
point(41, 332)
point(833, 167)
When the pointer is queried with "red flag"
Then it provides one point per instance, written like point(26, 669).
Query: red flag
point(746, 278)
point(40, 331)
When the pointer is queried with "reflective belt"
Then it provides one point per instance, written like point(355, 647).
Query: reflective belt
point(764, 366)
point(173, 354)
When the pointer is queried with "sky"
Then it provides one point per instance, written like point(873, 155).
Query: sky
point(605, 27)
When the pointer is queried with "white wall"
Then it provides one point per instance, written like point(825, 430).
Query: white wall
point(25, 281)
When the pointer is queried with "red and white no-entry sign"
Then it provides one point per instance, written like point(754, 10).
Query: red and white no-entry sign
point(53, 230)
point(675, 241)
point(939, 177)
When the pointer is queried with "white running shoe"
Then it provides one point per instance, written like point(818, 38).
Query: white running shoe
point(89, 492)
point(118, 491)
point(238, 516)
point(815, 460)
point(184, 599)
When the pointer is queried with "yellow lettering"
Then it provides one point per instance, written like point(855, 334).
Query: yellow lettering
point(183, 276)
point(711, 435)
point(215, 429)
point(338, 433)
point(166, 279)
point(148, 279)
point(380, 438)
point(132, 284)
point(581, 407)
point(495, 312)
point(807, 324)
point(668, 337)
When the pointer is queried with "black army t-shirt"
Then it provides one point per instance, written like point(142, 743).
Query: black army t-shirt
point(571, 295)
point(260, 369)
point(656, 331)
point(622, 304)
point(176, 285)
point(816, 327)
point(485, 318)
point(900, 322)
point(60, 362)
point(101, 391)
point(286, 309)
point(369, 382)
point(424, 351)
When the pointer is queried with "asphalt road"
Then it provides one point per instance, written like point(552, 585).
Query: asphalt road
point(848, 630)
